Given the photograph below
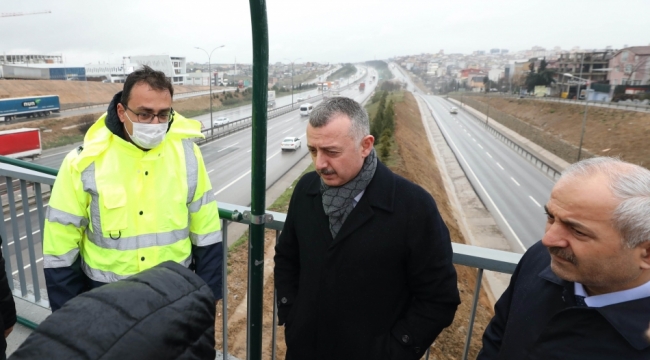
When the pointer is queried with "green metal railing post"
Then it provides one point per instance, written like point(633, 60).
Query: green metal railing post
point(258, 179)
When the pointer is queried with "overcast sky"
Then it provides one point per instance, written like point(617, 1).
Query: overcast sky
point(95, 31)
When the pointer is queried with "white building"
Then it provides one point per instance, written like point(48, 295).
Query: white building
point(432, 68)
point(495, 74)
point(174, 67)
point(198, 78)
point(110, 72)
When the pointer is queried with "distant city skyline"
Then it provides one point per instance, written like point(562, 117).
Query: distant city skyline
point(343, 31)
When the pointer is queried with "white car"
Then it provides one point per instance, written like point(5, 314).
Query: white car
point(453, 110)
point(290, 143)
point(220, 121)
point(301, 99)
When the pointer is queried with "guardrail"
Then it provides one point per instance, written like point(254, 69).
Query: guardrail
point(621, 105)
point(106, 105)
point(246, 122)
point(32, 289)
point(547, 169)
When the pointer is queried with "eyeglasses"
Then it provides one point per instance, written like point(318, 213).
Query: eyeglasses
point(148, 117)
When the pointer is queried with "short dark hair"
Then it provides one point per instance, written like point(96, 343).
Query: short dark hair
point(156, 79)
point(340, 105)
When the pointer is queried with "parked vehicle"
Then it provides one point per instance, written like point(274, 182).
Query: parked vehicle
point(220, 121)
point(271, 99)
point(306, 109)
point(453, 110)
point(31, 106)
point(290, 143)
point(20, 143)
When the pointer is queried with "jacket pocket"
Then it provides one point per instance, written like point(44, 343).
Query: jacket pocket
point(115, 215)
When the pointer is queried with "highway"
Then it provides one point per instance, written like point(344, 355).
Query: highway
point(227, 161)
point(515, 188)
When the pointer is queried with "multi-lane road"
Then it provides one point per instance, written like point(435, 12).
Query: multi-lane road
point(227, 160)
point(513, 189)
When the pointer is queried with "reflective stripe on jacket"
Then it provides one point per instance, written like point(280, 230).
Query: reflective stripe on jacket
point(126, 210)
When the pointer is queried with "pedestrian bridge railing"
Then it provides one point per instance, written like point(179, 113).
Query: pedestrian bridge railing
point(22, 248)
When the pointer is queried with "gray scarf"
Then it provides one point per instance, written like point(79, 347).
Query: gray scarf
point(338, 201)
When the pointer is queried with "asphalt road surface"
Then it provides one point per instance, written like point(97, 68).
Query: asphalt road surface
point(501, 177)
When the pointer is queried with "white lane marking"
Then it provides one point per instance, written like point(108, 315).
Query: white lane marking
point(270, 127)
point(479, 145)
point(26, 266)
point(209, 171)
point(289, 129)
point(24, 236)
point(288, 120)
point(474, 139)
point(479, 183)
point(515, 181)
point(536, 203)
point(488, 154)
point(22, 213)
point(499, 165)
point(249, 150)
point(229, 146)
point(242, 176)
point(59, 153)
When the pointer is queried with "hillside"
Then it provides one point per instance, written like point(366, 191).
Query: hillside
point(73, 93)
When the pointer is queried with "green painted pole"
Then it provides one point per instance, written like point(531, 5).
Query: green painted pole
point(258, 179)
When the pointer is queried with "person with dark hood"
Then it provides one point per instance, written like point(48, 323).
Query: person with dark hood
point(7, 306)
point(163, 313)
point(134, 195)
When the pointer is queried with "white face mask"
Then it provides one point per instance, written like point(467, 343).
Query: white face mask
point(147, 136)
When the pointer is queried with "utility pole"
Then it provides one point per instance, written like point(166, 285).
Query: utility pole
point(210, 71)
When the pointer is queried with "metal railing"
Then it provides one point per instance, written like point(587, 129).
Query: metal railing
point(621, 105)
point(27, 272)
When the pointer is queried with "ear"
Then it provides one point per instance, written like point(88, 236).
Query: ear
point(366, 145)
point(644, 253)
point(120, 112)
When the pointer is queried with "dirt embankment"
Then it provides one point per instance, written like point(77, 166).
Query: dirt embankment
point(415, 161)
point(608, 132)
point(59, 131)
point(74, 93)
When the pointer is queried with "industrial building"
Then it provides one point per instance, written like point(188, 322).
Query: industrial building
point(174, 67)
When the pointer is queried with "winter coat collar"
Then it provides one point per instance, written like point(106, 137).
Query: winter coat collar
point(624, 317)
point(109, 128)
point(380, 192)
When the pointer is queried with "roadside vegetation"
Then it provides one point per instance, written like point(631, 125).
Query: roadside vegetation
point(381, 110)
point(382, 69)
point(346, 71)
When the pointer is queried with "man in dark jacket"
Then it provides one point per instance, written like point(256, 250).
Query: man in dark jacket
point(583, 292)
point(166, 312)
point(7, 306)
point(363, 267)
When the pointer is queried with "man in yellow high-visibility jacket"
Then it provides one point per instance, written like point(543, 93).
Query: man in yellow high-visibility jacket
point(134, 195)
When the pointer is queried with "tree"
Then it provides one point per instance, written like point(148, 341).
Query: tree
point(486, 83)
point(541, 77)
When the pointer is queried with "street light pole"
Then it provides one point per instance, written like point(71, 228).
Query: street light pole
point(584, 117)
point(210, 82)
point(292, 62)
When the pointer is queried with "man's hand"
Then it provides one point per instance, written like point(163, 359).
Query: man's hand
point(8, 331)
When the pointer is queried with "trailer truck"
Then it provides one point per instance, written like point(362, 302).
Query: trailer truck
point(31, 106)
point(362, 87)
point(20, 143)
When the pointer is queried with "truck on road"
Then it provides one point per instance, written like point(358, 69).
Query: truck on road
point(31, 106)
point(270, 99)
point(20, 143)
point(362, 87)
